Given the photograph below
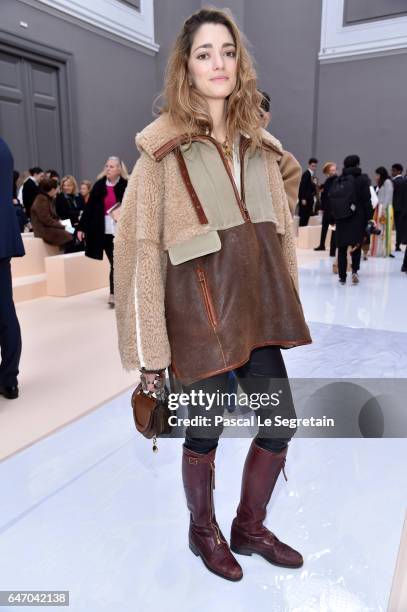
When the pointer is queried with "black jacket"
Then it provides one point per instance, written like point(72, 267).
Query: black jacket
point(68, 207)
point(92, 221)
point(307, 189)
point(350, 231)
point(325, 195)
point(11, 244)
point(399, 193)
point(30, 192)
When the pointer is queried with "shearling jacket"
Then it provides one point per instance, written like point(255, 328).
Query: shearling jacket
point(178, 262)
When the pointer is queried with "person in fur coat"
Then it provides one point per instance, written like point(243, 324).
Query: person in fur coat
point(206, 274)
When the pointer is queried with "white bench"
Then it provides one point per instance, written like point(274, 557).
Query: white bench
point(310, 236)
point(36, 250)
point(75, 273)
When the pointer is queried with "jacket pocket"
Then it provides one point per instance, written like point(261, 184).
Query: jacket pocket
point(206, 294)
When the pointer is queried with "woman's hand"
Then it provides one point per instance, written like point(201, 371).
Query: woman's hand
point(80, 235)
point(152, 381)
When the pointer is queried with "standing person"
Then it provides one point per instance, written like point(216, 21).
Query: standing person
point(403, 234)
point(383, 215)
point(399, 199)
point(205, 265)
point(84, 192)
point(31, 188)
point(52, 174)
point(95, 225)
point(18, 207)
point(350, 191)
point(67, 203)
point(11, 245)
point(307, 192)
point(330, 171)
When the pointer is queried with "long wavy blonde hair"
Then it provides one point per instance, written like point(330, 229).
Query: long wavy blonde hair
point(188, 108)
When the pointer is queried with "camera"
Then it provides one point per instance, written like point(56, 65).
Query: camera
point(372, 229)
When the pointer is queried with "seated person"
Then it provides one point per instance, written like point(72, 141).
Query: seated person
point(67, 203)
point(46, 223)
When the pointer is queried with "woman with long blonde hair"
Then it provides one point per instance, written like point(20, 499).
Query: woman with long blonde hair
point(96, 225)
point(206, 277)
point(67, 203)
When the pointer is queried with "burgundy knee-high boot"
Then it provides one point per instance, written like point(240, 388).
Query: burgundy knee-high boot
point(205, 536)
point(248, 534)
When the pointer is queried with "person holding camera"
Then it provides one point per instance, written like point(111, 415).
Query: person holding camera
point(351, 207)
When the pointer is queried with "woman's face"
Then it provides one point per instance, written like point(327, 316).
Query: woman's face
point(212, 65)
point(68, 187)
point(377, 178)
point(84, 190)
point(332, 170)
point(112, 169)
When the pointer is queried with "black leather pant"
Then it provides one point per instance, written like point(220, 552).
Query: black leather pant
point(254, 377)
point(108, 249)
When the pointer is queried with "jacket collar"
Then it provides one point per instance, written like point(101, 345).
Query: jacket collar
point(161, 137)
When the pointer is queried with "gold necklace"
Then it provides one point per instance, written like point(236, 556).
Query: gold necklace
point(227, 150)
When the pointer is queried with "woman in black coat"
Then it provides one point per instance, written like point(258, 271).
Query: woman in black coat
point(351, 230)
point(96, 226)
point(67, 203)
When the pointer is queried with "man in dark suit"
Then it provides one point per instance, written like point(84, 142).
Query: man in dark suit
point(399, 199)
point(307, 192)
point(31, 188)
point(11, 245)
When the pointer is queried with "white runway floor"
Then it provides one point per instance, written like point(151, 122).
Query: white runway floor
point(92, 510)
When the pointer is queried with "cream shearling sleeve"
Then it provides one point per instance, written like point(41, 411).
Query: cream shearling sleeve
point(291, 172)
point(139, 270)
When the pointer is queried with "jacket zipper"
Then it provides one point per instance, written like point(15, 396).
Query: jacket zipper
point(210, 310)
point(240, 201)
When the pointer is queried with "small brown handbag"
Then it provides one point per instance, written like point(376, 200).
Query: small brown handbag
point(151, 413)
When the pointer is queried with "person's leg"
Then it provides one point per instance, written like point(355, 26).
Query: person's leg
point(356, 254)
point(108, 249)
point(332, 246)
point(10, 334)
point(404, 265)
point(342, 263)
point(324, 231)
point(397, 217)
point(198, 475)
point(264, 463)
point(304, 214)
point(265, 373)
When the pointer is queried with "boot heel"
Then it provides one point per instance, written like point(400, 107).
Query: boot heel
point(194, 549)
point(240, 551)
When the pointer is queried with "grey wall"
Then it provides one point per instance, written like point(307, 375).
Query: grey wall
point(112, 84)
point(362, 110)
point(285, 40)
point(327, 110)
point(366, 10)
